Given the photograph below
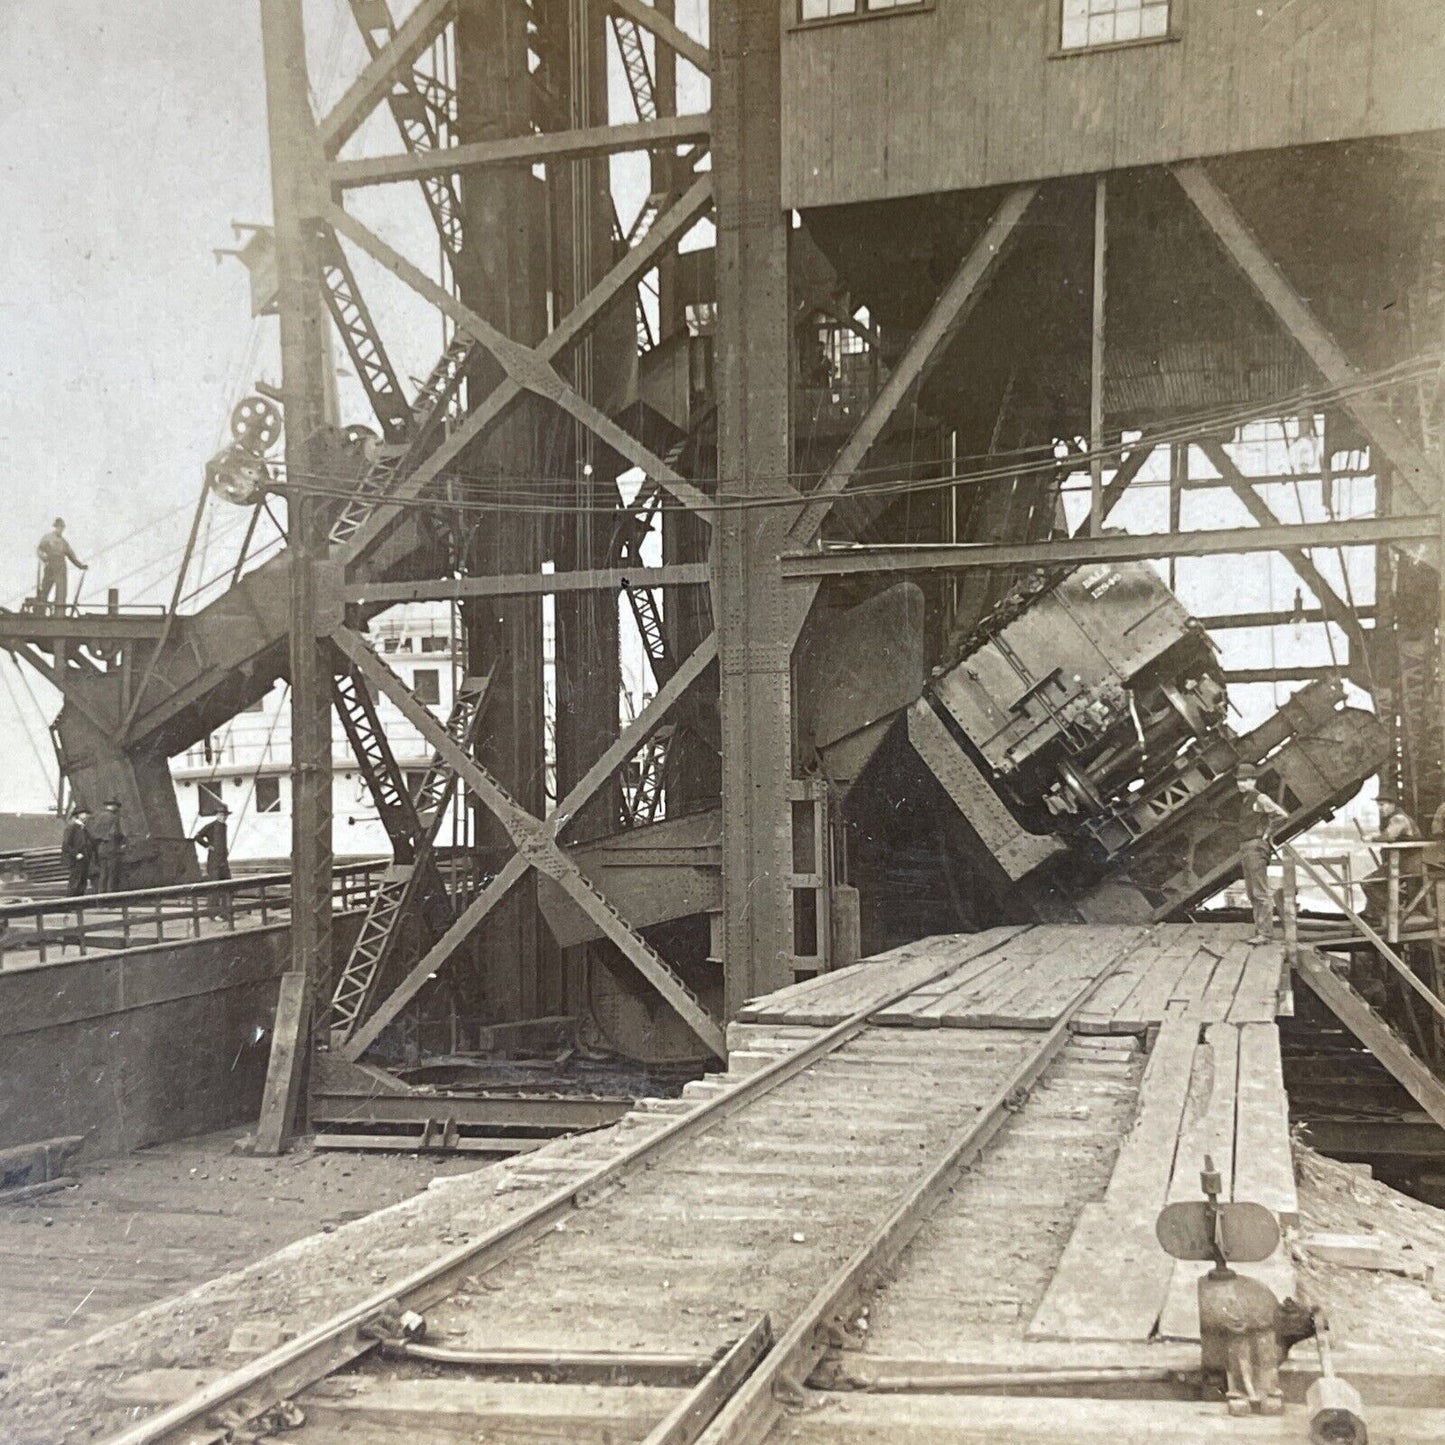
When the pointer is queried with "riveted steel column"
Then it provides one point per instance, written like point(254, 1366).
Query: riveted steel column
point(756, 618)
point(298, 194)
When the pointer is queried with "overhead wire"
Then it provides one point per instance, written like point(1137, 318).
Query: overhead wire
point(514, 492)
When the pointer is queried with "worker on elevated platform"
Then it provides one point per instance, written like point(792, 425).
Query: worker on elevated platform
point(54, 553)
point(1396, 826)
point(218, 858)
point(1258, 817)
point(110, 846)
point(77, 848)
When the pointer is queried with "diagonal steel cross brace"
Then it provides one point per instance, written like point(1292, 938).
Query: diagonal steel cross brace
point(1418, 478)
point(528, 368)
point(373, 85)
point(537, 847)
point(929, 343)
point(668, 227)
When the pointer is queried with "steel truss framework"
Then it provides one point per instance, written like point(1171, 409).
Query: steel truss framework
point(308, 170)
point(767, 562)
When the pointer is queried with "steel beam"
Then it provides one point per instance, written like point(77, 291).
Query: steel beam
point(536, 847)
point(372, 86)
point(436, 957)
point(1419, 480)
point(296, 162)
point(635, 733)
point(529, 369)
point(1096, 356)
point(493, 1110)
point(562, 145)
point(758, 622)
point(1227, 621)
point(665, 30)
point(1244, 676)
point(929, 343)
point(1334, 605)
point(1078, 551)
point(1131, 463)
point(527, 584)
point(568, 332)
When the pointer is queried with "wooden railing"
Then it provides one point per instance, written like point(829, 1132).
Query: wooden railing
point(45, 931)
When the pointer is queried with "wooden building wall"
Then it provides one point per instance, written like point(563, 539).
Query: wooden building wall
point(969, 93)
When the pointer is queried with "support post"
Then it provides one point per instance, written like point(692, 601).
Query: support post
point(758, 620)
point(1289, 909)
point(1178, 475)
point(297, 198)
point(1096, 361)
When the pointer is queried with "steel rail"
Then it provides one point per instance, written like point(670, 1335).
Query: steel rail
point(755, 1407)
point(329, 1346)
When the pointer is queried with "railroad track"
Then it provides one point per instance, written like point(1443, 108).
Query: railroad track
point(726, 1242)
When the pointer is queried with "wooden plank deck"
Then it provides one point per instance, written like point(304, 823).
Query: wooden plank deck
point(1024, 977)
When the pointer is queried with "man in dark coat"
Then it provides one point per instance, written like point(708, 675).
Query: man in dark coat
point(110, 846)
point(77, 848)
point(218, 858)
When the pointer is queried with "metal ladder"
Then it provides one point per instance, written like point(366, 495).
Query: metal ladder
point(412, 889)
point(393, 462)
point(424, 108)
point(362, 342)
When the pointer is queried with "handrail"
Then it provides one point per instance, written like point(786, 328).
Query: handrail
point(143, 917)
point(174, 890)
point(1407, 974)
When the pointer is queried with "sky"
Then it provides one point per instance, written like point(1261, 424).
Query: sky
point(130, 137)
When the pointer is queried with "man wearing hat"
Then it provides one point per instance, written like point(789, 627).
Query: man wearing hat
point(54, 552)
point(218, 859)
point(1396, 826)
point(77, 848)
point(110, 845)
point(1258, 815)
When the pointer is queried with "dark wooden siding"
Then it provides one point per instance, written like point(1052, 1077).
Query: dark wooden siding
point(967, 94)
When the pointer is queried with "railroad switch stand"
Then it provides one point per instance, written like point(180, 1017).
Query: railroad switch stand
point(1244, 1331)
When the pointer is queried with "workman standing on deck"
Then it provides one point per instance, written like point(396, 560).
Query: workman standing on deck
point(54, 552)
point(1258, 816)
point(77, 848)
point(110, 846)
point(1396, 826)
point(218, 858)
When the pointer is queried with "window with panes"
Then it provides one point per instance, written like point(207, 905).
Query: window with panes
point(1087, 23)
point(838, 9)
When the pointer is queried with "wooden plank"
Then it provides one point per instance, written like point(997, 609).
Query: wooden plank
point(1256, 1001)
point(283, 1073)
point(1209, 1122)
point(1190, 986)
point(1031, 975)
point(1041, 1003)
point(1376, 1035)
point(966, 1005)
point(1113, 1278)
point(975, 1418)
point(922, 1008)
point(830, 998)
point(1264, 1160)
point(1148, 1002)
point(1218, 998)
point(1103, 1006)
point(1262, 1169)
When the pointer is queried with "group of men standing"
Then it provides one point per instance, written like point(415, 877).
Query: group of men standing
point(93, 848)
